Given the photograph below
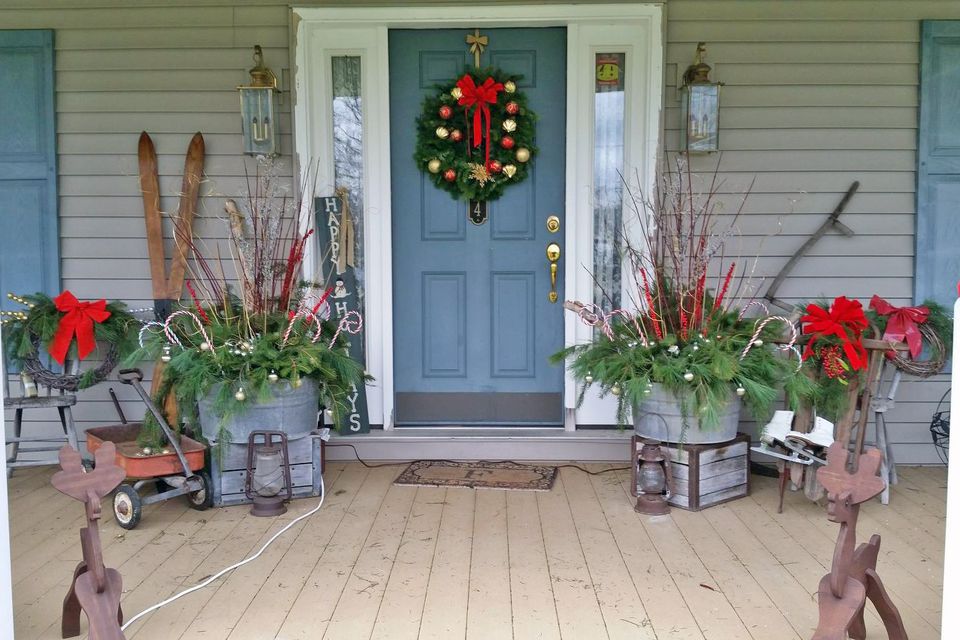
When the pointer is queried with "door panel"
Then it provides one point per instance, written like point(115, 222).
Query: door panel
point(473, 326)
point(29, 255)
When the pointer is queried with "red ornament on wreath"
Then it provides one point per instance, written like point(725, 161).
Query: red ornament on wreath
point(484, 132)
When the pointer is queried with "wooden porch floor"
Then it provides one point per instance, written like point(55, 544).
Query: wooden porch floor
point(381, 561)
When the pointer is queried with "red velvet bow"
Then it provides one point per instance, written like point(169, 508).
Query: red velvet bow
point(480, 98)
point(902, 323)
point(77, 320)
point(845, 320)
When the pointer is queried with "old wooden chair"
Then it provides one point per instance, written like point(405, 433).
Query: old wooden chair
point(60, 401)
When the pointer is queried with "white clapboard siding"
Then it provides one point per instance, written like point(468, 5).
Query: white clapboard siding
point(818, 93)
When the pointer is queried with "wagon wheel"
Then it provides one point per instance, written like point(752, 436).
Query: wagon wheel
point(127, 506)
point(202, 498)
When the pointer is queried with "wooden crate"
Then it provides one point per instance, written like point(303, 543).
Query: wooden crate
point(228, 470)
point(704, 474)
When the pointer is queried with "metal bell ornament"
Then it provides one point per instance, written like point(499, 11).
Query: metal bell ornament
point(240, 395)
point(688, 376)
point(616, 390)
point(588, 378)
point(741, 391)
point(273, 377)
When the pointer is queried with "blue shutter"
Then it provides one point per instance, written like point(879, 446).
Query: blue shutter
point(938, 171)
point(29, 239)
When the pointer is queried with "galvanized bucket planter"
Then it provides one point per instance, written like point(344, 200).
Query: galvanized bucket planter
point(292, 410)
point(659, 417)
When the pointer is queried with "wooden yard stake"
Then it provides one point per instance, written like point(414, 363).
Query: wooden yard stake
point(853, 577)
point(94, 589)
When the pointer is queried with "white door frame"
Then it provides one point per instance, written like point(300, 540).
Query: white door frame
point(321, 33)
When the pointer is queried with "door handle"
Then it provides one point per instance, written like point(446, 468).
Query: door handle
point(553, 255)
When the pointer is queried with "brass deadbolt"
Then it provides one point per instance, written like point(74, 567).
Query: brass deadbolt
point(553, 224)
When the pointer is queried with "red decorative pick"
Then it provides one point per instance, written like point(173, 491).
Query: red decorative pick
point(479, 99)
point(77, 320)
point(902, 324)
point(845, 320)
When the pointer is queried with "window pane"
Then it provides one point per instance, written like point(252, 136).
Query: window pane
point(607, 181)
point(348, 150)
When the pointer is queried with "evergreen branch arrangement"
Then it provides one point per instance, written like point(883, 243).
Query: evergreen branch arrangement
point(237, 348)
point(698, 345)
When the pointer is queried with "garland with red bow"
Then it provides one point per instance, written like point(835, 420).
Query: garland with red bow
point(842, 325)
point(475, 135)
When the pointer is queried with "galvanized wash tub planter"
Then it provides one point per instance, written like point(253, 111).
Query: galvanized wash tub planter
point(292, 410)
point(659, 417)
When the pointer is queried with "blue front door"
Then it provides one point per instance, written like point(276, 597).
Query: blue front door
point(473, 325)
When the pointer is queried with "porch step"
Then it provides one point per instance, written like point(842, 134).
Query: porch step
point(501, 443)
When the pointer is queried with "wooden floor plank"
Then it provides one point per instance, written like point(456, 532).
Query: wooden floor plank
point(448, 586)
point(623, 613)
point(356, 611)
point(752, 603)
point(268, 609)
point(398, 617)
point(489, 613)
point(714, 614)
point(578, 610)
point(307, 619)
point(400, 562)
point(531, 593)
point(668, 612)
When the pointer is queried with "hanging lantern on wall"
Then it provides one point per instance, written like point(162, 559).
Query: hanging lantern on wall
point(699, 107)
point(268, 482)
point(652, 480)
point(258, 109)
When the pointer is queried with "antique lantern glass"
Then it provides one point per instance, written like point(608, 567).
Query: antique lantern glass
point(258, 109)
point(699, 108)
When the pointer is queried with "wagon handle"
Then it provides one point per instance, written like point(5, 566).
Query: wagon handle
point(127, 376)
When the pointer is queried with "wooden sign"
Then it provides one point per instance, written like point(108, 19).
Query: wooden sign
point(335, 240)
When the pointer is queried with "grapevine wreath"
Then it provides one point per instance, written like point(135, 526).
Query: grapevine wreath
point(475, 137)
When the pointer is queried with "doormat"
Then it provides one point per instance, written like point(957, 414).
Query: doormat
point(479, 475)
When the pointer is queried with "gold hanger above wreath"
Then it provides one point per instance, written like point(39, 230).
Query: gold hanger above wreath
point(477, 44)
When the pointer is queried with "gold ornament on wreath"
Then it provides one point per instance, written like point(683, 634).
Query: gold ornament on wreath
point(475, 135)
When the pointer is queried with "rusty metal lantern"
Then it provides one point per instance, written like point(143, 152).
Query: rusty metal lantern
point(268, 482)
point(653, 480)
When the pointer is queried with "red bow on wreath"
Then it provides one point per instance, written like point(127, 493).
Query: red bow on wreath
point(77, 320)
point(480, 98)
point(845, 320)
point(902, 323)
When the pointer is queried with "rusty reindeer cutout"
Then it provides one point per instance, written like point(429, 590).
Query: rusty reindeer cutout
point(853, 577)
point(95, 589)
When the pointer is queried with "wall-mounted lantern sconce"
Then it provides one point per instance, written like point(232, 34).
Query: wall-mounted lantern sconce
point(699, 107)
point(258, 109)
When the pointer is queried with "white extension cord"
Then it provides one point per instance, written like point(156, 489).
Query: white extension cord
point(222, 572)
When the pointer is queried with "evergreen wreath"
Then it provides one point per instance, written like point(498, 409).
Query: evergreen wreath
point(476, 164)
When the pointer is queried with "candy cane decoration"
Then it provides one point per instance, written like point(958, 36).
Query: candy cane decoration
point(172, 337)
point(311, 317)
point(760, 324)
point(146, 326)
point(352, 327)
point(628, 316)
point(766, 310)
